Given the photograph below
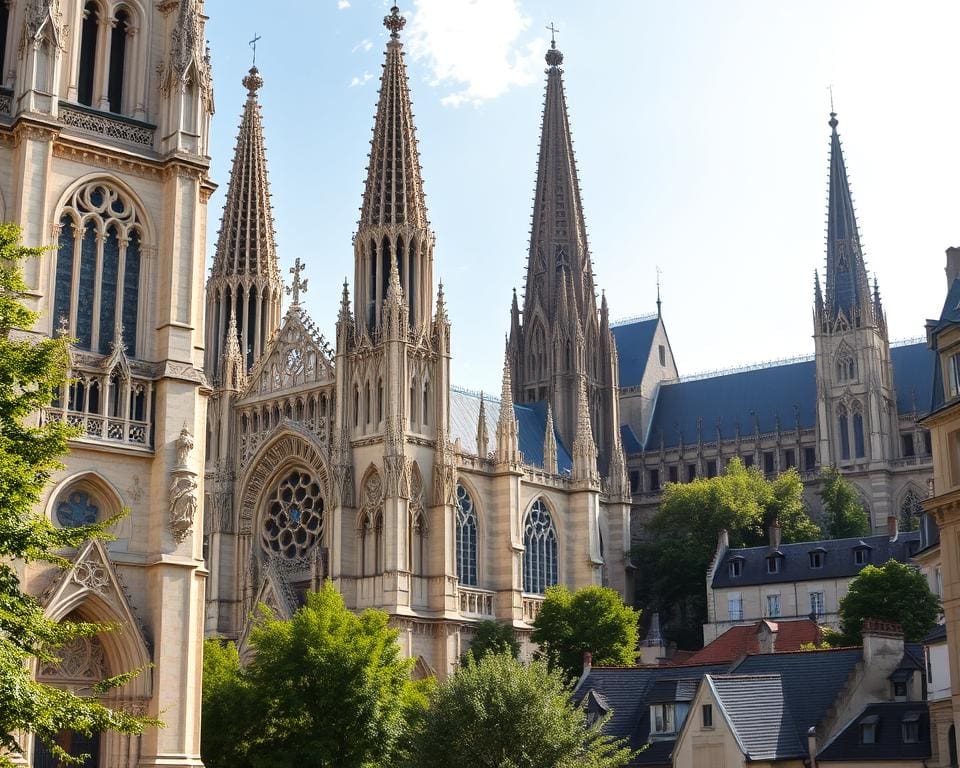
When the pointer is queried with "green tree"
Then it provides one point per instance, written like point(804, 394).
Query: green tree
point(893, 592)
point(30, 371)
point(681, 538)
point(591, 619)
point(843, 514)
point(499, 713)
point(327, 686)
point(491, 637)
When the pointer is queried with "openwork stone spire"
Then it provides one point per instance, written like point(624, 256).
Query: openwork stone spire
point(508, 439)
point(550, 445)
point(847, 287)
point(482, 440)
point(584, 448)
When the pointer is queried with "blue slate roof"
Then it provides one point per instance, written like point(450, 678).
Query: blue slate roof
point(949, 315)
point(889, 744)
point(628, 692)
point(756, 398)
point(631, 443)
point(808, 703)
point(837, 559)
point(757, 709)
point(531, 421)
point(745, 397)
point(634, 341)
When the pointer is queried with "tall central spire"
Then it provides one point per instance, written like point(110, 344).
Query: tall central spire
point(393, 226)
point(847, 286)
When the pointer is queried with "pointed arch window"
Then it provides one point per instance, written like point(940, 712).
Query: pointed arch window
point(541, 555)
point(910, 511)
point(426, 403)
point(371, 527)
point(843, 427)
point(379, 401)
point(118, 55)
point(418, 525)
point(846, 365)
point(466, 538)
point(858, 442)
point(4, 24)
point(89, 29)
point(97, 276)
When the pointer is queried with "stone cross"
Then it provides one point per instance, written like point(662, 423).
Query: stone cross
point(298, 285)
point(253, 44)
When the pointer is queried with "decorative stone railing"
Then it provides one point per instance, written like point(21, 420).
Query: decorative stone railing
point(531, 607)
point(105, 124)
point(475, 602)
point(103, 428)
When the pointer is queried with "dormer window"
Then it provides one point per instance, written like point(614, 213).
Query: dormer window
point(861, 555)
point(773, 563)
point(735, 567)
point(910, 728)
point(868, 729)
point(953, 374)
point(816, 558)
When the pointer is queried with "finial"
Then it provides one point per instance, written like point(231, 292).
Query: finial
point(658, 291)
point(394, 22)
point(833, 112)
point(298, 285)
point(253, 82)
point(554, 57)
point(253, 44)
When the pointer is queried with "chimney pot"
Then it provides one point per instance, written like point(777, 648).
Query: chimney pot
point(893, 527)
point(953, 265)
point(775, 534)
point(587, 660)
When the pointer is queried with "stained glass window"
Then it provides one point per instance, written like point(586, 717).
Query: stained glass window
point(108, 289)
point(466, 538)
point(540, 557)
point(75, 510)
point(294, 516)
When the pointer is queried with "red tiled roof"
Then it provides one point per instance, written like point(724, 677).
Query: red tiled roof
point(742, 640)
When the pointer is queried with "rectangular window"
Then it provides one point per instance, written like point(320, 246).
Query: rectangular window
point(662, 719)
point(773, 606)
point(900, 690)
point(691, 472)
point(748, 460)
point(953, 374)
point(911, 728)
point(809, 458)
point(773, 565)
point(663, 355)
point(735, 568)
point(706, 715)
point(735, 606)
point(816, 604)
point(789, 459)
point(634, 481)
point(654, 479)
point(927, 448)
point(712, 468)
point(768, 462)
point(938, 577)
point(906, 444)
point(861, 555)
point(674, 471)
point(816, 559)
point(868, 733)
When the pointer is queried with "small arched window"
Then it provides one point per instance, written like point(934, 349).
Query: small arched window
point(846, 365)
point(356, 406)
point(379, 400)
point(843, 427)
point(540, 556)
point(76, 508)
point(97, 281)
point(426, 403)
point(466, 538)
point(118, 55)
point(371, 526)
point(366, 401)
point(89, 28)
point(910, 511)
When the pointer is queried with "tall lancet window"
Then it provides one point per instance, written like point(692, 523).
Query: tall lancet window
point(97, 280)
point(843, 427)
point(118, 55)
point(89, 28)
point(371, 527)
point(858, 444)
point(540, 555)
point(4, 23)
point(466, 538)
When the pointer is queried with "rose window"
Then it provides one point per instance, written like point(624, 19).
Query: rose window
point(294, 518)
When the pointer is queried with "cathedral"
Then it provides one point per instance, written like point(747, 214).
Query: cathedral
point(255, 459)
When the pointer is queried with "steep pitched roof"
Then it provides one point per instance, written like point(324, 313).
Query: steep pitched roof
point(634, 340)
point(757, 709)
point(949, 316)
point(837, 559)
point(889, 718)
point(912, 365)
point(742, 640)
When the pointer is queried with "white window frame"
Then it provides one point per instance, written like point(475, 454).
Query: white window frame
point(774, 600)
point(818, 601)
point(735, 599)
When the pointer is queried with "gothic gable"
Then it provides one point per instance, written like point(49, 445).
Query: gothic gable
point(297, 355)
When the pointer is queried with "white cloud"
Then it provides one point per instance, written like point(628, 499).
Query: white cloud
point(474, 47)
point(342, 5)
point(363, 45)
point(360, 79)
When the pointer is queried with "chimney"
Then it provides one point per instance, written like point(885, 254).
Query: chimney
point(767, 636)
point(882, 639)
point(587, 662)
point(953, 266)
point(774, 531)
point(893, 527)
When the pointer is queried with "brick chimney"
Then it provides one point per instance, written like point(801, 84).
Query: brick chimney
point(767, 636)
point(893, 527)
point(587, 662)
point(953, 265)
point(882, 642)
point(774, 532)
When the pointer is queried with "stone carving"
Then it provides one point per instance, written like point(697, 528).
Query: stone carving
point(135, 490)
point(183, 505)
point(80, 659)
point(38, 15)
point(188, 62)
point(184, 445)
point(107, 126)
point(92, 575)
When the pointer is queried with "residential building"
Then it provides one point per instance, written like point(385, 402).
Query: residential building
point(766, 636)
point(786, 582)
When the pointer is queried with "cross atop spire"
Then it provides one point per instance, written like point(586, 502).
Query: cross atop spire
point(298, 285)
point(253, 45)
point(394, 22)
point(554, 57)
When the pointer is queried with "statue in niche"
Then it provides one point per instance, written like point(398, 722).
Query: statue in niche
point(183, 506)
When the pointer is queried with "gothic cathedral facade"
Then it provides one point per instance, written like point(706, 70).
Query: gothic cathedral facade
point(104, 116)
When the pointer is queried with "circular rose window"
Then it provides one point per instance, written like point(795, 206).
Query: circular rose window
point(294, 517)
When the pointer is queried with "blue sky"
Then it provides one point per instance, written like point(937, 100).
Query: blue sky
point(701, 137)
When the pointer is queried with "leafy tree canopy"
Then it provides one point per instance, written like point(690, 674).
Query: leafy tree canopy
point(893, 592)
point(591, 619)
point(499, 713)
point(492, 637)
point(30, 372)
point(328, 685)
point(843, 514)
point(682, 537)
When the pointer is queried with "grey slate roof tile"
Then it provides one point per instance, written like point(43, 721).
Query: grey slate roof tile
point(889, 734)
point(758, 710)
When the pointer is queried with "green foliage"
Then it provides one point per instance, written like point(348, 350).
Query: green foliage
point(499, 713)
point(30, 372)
point(893, 592)
point(682, 538)
point(491, 637)
point(591, 619)
point(843, 515)
point(328, 685)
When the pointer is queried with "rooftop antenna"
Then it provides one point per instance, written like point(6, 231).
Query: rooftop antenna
point(253, 44)
point(658, 291)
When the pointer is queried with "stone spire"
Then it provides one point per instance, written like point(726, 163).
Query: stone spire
point(233, 374)
point(584, 449)
point(483, 443)
point(508, 439)
point(393, 215)
point(847, 286)
point(245, 277)
point(550, 445)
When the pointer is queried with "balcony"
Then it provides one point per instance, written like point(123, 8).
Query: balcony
point(531, 607)
point(103, 428)
point(477, 603)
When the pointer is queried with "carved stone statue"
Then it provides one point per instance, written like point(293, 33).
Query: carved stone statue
point(183, 506)
point(184, 446)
